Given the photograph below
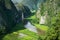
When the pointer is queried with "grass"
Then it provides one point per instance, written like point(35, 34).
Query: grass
point(15, 35)
point(42, 27)
point(20, 29)
point(35, 23)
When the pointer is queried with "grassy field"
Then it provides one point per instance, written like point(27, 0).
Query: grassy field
point(14, 35)
point(34, 21)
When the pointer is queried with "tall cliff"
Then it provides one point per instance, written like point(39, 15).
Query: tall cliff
point(8, 13)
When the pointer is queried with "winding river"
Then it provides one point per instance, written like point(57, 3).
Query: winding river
point(30, 27)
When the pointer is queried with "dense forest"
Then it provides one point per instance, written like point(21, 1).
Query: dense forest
point(29, 19)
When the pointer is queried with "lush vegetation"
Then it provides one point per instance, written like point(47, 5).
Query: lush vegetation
point(14, 17)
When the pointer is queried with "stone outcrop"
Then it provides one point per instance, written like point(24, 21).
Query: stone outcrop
point(8, 13)
point(11, 15)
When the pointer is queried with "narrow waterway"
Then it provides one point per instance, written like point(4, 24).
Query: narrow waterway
point(30, 27)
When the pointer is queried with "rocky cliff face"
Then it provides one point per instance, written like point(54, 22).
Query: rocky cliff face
point(8, 13)
point(32, 4)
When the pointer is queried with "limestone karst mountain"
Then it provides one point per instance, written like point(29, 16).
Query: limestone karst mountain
point(10, 15)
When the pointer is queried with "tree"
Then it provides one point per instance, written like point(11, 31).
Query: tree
point(54, 31)
point(53, 10)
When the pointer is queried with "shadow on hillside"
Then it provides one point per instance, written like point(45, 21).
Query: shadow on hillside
point(18, 26)
point(14, 29)
point(9, 16)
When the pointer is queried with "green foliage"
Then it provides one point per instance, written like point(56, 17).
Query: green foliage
point(16, 36)
point(42, 9)
point(53, 12)
point(51, 33)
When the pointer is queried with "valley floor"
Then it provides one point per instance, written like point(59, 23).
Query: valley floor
point(25, 34)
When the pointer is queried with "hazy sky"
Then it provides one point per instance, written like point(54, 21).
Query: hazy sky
point(28, 3)
point(14, 1)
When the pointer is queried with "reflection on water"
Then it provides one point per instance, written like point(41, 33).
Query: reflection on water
point(30, 27)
